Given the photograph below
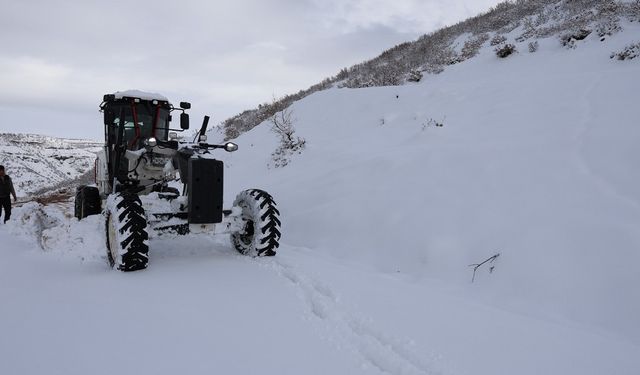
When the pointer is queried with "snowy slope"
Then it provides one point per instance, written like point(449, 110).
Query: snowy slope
point(382, 214)
point(35, 162)
point(537, 160)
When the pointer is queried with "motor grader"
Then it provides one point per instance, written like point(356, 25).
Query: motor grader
point(150, 181)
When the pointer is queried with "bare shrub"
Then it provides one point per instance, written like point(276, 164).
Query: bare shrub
point(634, 10)
point(290, 144)
point(415, 76)
point(569, 40)
point(506, 50)
point(472, 46)
point(630, 52)
point(432, 123)
point(608, 28)
point(498, 39)
point(533, 46)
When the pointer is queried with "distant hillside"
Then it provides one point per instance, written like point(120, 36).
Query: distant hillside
point(566, 20)
point(36, 162)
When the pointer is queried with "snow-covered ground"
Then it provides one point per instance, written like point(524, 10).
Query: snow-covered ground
point(383, 213)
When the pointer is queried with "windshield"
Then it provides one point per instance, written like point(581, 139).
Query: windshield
point(151, 120)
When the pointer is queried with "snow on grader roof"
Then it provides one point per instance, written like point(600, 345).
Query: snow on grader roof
point(139, 94)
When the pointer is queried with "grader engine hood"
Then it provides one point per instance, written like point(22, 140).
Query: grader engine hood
point(205, 190)
point(204, 177)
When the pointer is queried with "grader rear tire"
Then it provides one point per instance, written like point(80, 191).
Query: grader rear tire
point(87, 202)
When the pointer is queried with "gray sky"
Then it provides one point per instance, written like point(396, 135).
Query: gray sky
point(59, 57)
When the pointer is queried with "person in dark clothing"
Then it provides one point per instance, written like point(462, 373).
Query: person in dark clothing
point(6, 189)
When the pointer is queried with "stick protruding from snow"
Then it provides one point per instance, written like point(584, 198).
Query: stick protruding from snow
point(489, 260)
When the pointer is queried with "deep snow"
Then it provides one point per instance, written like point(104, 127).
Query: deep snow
point(382, 215)
point(201, 308)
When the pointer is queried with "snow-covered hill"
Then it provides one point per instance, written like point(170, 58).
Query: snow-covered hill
point(510, 26)
point(383, 212)
point(537, 160)
point(36, 162)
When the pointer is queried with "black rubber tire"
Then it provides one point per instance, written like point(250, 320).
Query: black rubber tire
point(87, 202)
point(126, 229)
point(261, 234)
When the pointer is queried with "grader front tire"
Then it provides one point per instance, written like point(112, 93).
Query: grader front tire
point(127, 238)
point(261, 234)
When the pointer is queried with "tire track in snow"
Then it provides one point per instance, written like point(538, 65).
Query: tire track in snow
point(385, 353)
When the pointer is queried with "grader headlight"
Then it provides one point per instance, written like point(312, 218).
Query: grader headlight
point(151, 142)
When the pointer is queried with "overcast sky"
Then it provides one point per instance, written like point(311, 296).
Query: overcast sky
point(58, 58)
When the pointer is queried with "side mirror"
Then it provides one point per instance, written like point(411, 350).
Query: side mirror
point(230, 147)
point(185, 105)
point(184, 121)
